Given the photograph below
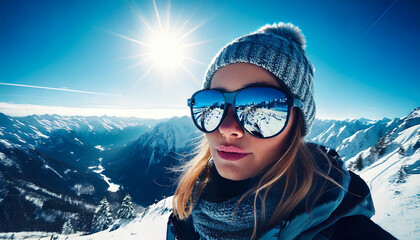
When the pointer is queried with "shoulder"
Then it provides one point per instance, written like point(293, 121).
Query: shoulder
point(180, 229)
point(354, 227)
point(321, 153)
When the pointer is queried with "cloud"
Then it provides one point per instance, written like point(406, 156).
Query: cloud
point(58, 89)
point(19, 110)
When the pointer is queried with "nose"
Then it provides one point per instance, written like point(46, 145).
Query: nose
point(230, 127)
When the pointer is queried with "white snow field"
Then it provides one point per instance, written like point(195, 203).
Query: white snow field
point(397, 204)
point(150, 225)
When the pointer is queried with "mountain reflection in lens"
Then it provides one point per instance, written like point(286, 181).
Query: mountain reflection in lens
point(208, 109)
point(262, 111)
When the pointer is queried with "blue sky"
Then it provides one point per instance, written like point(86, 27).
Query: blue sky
point(90, 57)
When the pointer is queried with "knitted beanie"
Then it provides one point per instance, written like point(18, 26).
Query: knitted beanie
point(279, 49)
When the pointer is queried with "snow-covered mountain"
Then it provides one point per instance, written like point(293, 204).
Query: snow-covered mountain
point(384, 152)
point(143, 167)
point(46, 173)
point(349, 137)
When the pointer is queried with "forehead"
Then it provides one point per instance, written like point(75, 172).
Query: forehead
point(239, 75)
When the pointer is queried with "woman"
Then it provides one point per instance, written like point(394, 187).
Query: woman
point(253, 176)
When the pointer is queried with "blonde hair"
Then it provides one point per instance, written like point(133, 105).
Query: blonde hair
point(296, 167)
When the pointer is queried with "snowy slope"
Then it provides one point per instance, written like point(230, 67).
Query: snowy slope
point(150, 225)
point(395, 181)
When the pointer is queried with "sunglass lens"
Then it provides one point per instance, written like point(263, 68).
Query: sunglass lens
point(208, 109)
point(262, 111)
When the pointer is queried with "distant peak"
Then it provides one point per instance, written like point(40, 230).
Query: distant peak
point(414, 114)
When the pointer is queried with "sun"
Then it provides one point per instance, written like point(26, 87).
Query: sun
point(166, 50)
point(164, 46)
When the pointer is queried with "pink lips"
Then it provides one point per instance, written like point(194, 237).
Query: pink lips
point(230, 153)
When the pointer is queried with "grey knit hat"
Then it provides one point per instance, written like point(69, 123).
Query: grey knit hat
point(279, 49)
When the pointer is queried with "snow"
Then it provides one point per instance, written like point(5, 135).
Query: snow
point(19, 122)
point(36, 201)
point(50, 168)
point(100, 148)
point(35, 187)
point(83, 189)
point(407, 134)
point(37, 132)
point(341, 130)
point(19, 138)
point(77, 140)
point(31, 235)
point(6, 143)
point(150, 226)
point(107, 127)
point(397, 204)
point(99, 169)
point(147, 226)
point(112, 186)
point(7, 162)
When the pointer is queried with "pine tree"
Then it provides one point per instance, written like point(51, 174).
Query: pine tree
point(126, 210)
point(359, 163)
point(67, 228)
point(380, 147)
point(402, 174)
point(416, 145)
point(102, 218)
point(401, 151)
point(351, 166)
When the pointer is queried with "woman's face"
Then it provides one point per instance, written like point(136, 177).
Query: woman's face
point(254, 153)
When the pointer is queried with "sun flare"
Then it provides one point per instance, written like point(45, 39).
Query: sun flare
point(165, 46)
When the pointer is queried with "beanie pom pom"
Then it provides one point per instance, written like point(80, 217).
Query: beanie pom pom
point(286, 30)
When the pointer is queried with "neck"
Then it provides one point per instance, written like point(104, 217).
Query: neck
point(220, 189)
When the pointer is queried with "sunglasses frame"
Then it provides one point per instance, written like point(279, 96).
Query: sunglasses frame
point(230, 98)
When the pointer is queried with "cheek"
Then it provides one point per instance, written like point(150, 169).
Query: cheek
point(271, 150)
point(268, 151)
point(210, 138)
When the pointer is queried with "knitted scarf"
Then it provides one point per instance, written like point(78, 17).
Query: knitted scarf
point(214, 210)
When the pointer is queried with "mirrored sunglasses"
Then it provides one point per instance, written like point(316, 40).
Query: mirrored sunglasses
point(263, 112)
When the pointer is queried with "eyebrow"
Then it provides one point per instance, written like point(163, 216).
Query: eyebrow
point(258, 84)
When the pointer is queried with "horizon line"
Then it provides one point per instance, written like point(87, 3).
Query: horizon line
point(23, 110)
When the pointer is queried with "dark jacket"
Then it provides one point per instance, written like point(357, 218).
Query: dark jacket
point(339, 214)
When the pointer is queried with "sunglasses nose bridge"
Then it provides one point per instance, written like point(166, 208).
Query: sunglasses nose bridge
point(229, 97)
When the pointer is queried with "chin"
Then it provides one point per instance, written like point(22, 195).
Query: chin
point(231, 173)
